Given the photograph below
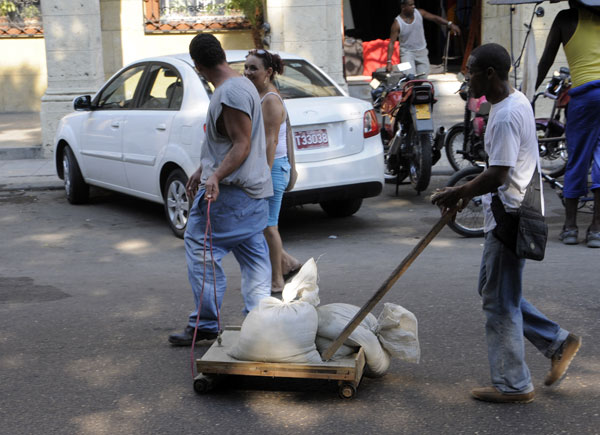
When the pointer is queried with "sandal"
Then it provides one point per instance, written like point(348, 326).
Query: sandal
point(569, 237)
point(592, 239)
point(292, 273)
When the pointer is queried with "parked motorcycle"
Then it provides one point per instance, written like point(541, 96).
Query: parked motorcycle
point(406, 105)
point(551, 130)
point(464, 140)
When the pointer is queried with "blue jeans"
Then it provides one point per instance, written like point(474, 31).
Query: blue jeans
point(510, 317)
point(237, 223)
point(583, 140)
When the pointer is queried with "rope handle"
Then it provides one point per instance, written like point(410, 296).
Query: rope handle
point(207, 237)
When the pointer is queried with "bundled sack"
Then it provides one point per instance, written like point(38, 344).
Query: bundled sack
point(394, 333)
point(283, 330)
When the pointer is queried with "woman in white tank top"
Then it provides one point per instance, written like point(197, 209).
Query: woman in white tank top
point(261, 67)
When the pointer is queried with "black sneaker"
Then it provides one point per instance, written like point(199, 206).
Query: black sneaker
point(185, 338)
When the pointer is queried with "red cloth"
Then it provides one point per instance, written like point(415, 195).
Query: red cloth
point(375, 54)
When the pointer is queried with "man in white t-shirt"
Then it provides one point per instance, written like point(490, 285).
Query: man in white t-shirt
point(408, 29)
point(511, 144)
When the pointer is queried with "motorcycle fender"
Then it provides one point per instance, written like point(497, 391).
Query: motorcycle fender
point(421, 125)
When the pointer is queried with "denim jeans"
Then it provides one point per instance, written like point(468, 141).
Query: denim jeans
point(280, 173)
point(510, 317)
point(237, 223)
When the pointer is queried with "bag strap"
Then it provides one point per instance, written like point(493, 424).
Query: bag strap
point(533, 195)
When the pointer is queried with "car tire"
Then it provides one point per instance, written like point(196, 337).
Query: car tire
point(76, 189)
point(176, 203)
point(341, 207)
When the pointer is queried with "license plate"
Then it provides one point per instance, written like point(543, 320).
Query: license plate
point(423, 111)
point(311, 139)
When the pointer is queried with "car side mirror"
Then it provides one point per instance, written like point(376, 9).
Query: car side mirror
point(83, 102)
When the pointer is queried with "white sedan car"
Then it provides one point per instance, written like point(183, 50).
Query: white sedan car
point(141, 135)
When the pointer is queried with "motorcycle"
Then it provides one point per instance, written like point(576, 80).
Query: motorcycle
point(406, 103)
point(551, 130)
point(464, 140)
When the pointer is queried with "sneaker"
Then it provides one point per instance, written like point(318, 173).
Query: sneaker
point(592, 238)
point(569, 237)
point(491, 394)
point(185, 338)
point(562, 358)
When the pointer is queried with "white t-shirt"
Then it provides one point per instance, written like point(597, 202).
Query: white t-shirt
point(511, 140)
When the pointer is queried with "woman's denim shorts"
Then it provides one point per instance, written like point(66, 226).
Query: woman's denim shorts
point(280, 173)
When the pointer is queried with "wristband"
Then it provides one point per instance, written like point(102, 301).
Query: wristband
point(389, 61)
point(449, 23)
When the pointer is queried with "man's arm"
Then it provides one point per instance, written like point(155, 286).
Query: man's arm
point(394, 32)
point(552, 44)
point(441, 21)
point(238, 127)
point(486, 182)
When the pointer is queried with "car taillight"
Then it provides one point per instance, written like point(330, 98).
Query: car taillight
point(370, 124)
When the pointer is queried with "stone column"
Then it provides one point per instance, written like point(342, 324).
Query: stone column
point(311, 29)
point(74, 58)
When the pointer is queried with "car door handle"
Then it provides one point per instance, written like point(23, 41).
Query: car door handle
point(161, 127)
point(115, 124)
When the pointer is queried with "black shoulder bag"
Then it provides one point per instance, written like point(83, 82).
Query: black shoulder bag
point(525, 231)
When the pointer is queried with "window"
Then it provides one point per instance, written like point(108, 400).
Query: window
point(120, 93)
point(181, 16)
point(165, 89)
point(299, 80)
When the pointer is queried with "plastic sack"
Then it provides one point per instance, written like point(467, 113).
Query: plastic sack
point(333, 318)
point(343, 352)
point(283, 330)
point(398, 333)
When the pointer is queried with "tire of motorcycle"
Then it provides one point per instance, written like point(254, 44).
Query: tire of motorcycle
point(469, 221)
point(420, 160)
point(395, 171)
point(454, 143)
point(553, 156)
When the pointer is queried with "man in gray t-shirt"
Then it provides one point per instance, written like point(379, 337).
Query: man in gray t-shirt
point(229, 188)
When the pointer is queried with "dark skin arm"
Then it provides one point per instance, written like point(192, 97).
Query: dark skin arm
point(486, 182)
point(236, 125)
point(562, 30)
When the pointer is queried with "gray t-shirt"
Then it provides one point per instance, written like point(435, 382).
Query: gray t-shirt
point(254, 175)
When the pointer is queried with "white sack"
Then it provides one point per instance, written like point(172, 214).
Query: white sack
point(283, 331)
point(343, 352)
point(398, 333)
point(333, 318)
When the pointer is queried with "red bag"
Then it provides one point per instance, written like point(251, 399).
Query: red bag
point(375, 55)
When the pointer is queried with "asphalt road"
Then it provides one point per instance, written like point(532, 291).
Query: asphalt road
point(89, 294)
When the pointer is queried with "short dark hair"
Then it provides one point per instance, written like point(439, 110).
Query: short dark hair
point(206, 50)
point(492, 55)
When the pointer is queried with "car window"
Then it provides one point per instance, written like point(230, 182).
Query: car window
point(299, 80)
point(119, 94)
point(164, 89)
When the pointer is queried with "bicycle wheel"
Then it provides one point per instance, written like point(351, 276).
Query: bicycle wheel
point(553, 155)
point(455, 143)
point(469, 221)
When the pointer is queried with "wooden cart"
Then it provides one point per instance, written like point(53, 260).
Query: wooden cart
point(216, 363)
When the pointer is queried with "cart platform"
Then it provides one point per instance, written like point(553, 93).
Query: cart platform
point(216, 363)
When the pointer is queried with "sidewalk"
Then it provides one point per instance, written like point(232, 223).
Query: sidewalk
point(22, 164)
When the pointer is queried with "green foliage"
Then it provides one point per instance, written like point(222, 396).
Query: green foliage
point(6, 7)
point(252, 10)
point(30, 11)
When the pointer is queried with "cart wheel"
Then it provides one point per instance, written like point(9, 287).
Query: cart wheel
point(347, 391)
point(204, 384)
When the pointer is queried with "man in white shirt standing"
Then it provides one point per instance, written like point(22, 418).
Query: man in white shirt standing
point(408, 29)
point(511, 144)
